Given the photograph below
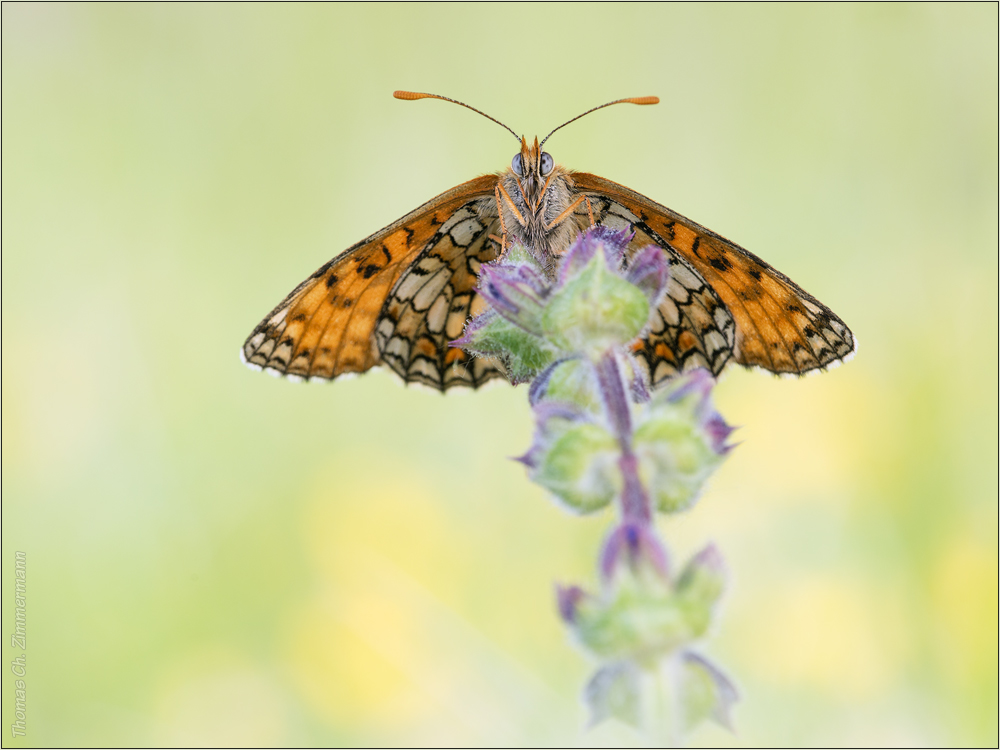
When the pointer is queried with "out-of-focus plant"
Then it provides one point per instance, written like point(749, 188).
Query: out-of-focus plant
point(601, 436)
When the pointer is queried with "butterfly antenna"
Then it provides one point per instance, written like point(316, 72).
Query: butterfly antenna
point(632, 100)
point(413, 95)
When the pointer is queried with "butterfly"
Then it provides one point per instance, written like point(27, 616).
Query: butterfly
point(397, 298)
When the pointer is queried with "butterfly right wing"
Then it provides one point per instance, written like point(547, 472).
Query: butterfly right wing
point(326, 326)
point(752, 313)
point(691, 328)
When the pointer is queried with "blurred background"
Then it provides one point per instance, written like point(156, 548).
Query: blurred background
point(218, 557)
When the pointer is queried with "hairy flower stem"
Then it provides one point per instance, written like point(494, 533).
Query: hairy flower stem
point(635, 501)
point(602, 434)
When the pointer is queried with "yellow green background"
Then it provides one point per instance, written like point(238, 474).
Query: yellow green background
point(218, 557)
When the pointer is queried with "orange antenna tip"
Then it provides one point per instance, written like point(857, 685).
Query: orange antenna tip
point(411, 95)
point(632, 100)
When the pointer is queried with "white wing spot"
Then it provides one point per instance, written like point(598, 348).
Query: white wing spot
point(438, 314)
point(683, 275)
point(465, 232)
point(670, 312)
point(456, 218)
point(431, 289)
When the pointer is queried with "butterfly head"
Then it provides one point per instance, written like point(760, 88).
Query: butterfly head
point(532, 169)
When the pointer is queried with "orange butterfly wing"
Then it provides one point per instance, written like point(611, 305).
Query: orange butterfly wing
point(778, 325)
point(392, 299)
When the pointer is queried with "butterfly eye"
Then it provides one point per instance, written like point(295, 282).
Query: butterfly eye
point(515, 164)
point(547, 163)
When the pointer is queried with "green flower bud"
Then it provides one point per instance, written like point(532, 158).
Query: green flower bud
point(523, 354)
point(595, 310)
point(700, 587)
point(614, 691)
point(705, 692)
point(680, 441)
point(572, 382)
point(642, 616)
point(674, 459)
point(573, 458)
point(639, 620)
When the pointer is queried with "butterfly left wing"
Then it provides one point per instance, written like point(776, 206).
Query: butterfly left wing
point(434, 298)
point(778, 325)
point(346, 317)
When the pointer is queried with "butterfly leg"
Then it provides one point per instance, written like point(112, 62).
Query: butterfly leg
point(569, 212)
point(499, 193)
point(503, 226)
